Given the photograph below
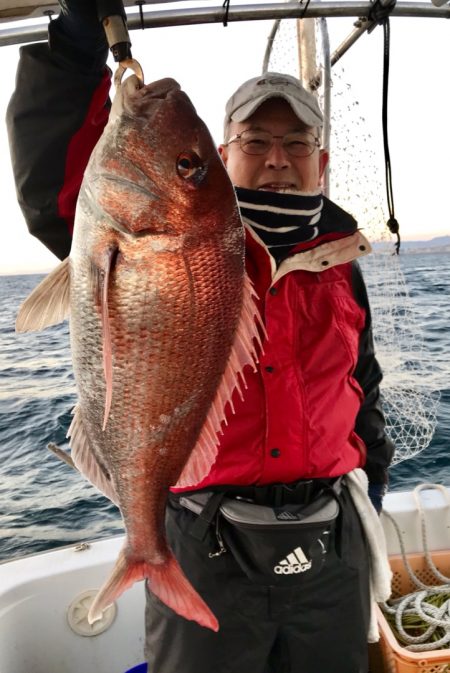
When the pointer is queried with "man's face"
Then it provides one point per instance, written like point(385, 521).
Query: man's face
point(276, 170)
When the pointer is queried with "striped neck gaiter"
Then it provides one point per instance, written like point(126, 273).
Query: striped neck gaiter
point(281, 220)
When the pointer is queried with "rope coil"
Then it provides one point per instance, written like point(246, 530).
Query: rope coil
point(417, 604)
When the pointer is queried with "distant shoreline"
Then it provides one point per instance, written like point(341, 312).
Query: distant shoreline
point(439, 244)
point(404, 248)
point(4, 274)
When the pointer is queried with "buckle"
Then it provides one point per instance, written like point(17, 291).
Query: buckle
point(299, 493)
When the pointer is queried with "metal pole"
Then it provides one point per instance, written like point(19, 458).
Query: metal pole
point(326, 99)
point(361, 26)
point(270, 41)
point(261, 12)
point(306, 39)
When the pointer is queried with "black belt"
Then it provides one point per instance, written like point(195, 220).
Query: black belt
point(300, 492)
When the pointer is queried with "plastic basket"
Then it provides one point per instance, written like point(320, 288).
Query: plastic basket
point(396, 658)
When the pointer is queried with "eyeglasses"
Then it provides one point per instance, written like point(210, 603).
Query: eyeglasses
point(297, 144)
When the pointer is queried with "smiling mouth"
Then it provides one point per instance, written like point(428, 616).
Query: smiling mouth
point(278, 187)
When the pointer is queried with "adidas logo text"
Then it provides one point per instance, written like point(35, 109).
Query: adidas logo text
point(294, 563)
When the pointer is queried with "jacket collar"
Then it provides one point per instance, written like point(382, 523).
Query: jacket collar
point(324, 256)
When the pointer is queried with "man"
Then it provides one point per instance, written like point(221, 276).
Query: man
point(310, 414)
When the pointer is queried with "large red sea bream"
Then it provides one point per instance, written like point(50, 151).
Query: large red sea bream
point(162, 323)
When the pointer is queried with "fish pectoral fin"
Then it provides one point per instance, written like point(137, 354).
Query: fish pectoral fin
point(49, 303)
point(106, 333)
point(84, 459)
point(244, 352)
point(166, 580)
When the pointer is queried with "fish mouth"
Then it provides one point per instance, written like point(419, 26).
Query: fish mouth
point(160, 89)
point(150, 100)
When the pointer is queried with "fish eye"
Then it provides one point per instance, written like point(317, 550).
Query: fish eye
point(189, 165)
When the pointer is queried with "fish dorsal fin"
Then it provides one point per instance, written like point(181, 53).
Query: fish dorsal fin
point(84, 459)
point(49, 302)
point(246, 344)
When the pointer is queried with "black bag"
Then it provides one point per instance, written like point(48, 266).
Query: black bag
point(275, 546)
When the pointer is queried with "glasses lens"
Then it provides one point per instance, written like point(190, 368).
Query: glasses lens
point(256, 142)
point(299, 144)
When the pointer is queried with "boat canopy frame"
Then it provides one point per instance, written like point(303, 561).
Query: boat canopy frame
point(148, 18)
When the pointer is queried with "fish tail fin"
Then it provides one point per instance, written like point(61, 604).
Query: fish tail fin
point(170, 585)
point(166, 581)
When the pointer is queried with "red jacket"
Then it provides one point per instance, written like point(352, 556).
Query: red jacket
point(297, 418)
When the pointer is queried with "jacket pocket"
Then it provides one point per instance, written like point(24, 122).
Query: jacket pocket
point(350, 320)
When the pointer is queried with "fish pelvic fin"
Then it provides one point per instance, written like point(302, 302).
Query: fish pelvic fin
point(247, 343)
point(49, 303)
point(61, 454)
point(166, 580)
point(84, 460)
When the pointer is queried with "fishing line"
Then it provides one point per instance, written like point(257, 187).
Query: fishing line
point(305, 9)
point(392, 223)
point(140, 4)
point(379, 15)
point(226, 6)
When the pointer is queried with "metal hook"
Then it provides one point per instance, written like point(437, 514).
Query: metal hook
point(134, 65)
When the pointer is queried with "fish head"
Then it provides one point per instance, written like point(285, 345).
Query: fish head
point(156, 168)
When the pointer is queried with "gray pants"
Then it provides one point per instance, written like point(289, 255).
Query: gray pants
point(320, 625)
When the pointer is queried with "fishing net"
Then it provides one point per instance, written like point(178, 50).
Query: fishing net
point(410, 389)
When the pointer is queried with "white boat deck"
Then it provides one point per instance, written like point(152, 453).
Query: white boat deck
point(36, 593)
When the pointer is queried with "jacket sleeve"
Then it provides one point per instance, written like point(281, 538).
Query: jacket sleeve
point(370, 422)
point(54, 119)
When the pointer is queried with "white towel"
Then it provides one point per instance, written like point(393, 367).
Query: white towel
point(380, 570)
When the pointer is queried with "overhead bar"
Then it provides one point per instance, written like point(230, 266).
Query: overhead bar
point(257, 12)
point(361, 27)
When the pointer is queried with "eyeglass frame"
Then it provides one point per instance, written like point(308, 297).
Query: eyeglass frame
point(237, 136)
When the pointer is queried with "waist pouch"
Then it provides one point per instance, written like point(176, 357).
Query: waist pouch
point(275, 546)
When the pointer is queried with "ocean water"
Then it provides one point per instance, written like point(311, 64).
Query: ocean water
point(45, 504)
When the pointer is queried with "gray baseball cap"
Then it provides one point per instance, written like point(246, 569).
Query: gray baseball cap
point(252, 93)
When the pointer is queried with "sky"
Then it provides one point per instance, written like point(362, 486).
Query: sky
point(211, 61)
